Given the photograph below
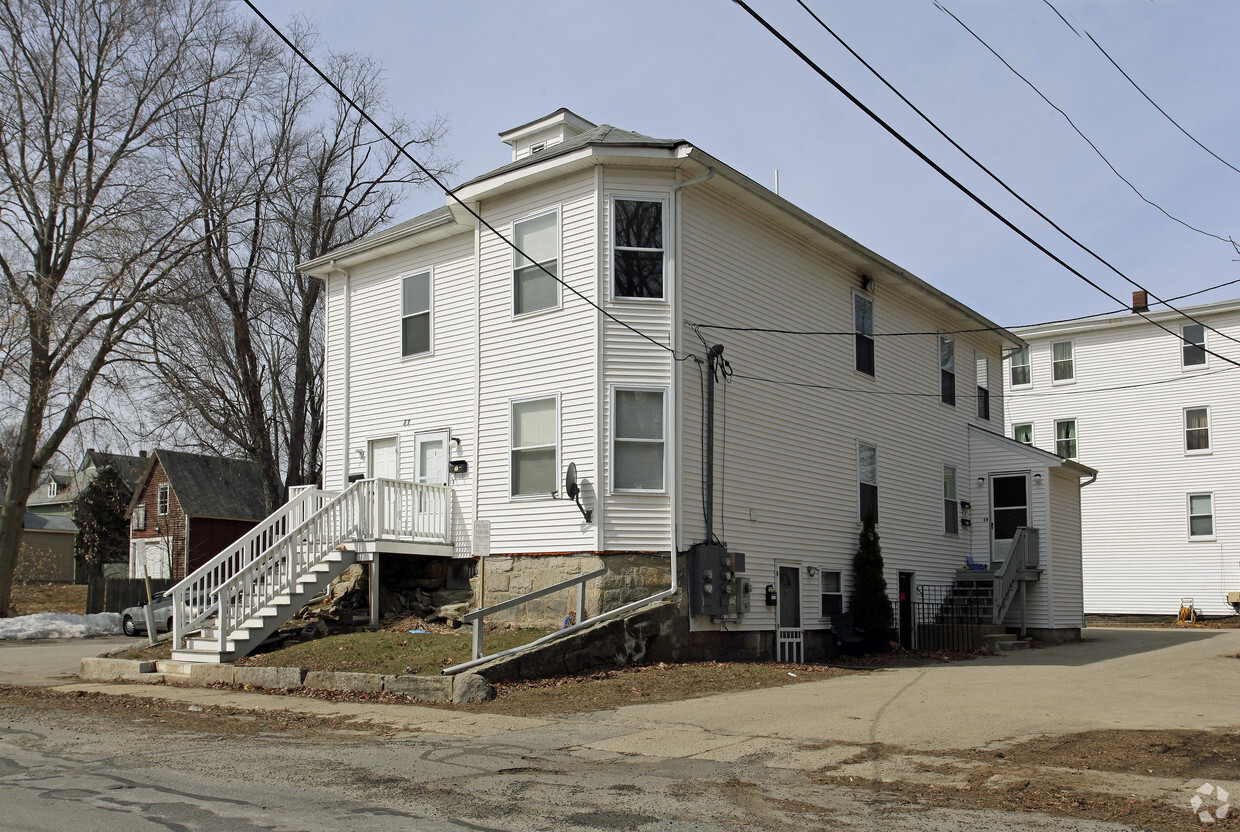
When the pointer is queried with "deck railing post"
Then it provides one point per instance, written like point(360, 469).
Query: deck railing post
point(380, 496)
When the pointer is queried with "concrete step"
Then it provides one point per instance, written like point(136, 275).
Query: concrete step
point(196, 656)
point(174, 667)
point(996, 642)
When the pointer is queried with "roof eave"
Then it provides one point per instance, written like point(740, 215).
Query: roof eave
point(400, 238)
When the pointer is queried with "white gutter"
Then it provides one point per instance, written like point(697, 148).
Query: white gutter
point(344, 404)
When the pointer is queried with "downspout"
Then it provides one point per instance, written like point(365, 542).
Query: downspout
point(348, 347)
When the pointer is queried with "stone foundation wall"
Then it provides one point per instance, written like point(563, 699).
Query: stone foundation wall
point(629, 578)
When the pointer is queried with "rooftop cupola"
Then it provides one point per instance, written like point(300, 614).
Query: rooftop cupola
point(538, 135)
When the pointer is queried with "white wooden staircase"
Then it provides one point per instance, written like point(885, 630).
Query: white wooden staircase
point(229, 605)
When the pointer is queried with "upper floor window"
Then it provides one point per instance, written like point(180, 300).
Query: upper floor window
point(951, 508)
point(867, 479)
point(637, 249)
point(534, 438)
point(983, 387)
point(53, 488)
point(138, 521)
point(1197, 429)
point(163, 499)
point(1023, 433)
point(863, 324)
point(415, 314)
point(1020, 367)
point(533, 289)
point(1194, 345)
point(638, 441)
point(947, 370)
point(1062, 365)
point(1065, 438)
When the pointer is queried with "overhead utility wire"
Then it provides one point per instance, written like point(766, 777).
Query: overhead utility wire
point(992, 174)
point(431, 176)
point(1137, 87)
point(939, 169)
point(1088, 141)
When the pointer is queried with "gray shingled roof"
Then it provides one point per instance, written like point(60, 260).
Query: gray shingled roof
point(603, 135)
point(36, 522)
point(211, 486)
point(129, 468)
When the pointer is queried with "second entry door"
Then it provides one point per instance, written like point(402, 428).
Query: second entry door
point(1009, 510)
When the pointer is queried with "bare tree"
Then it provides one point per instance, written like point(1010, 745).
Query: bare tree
point(93, 227)
point(287, 175)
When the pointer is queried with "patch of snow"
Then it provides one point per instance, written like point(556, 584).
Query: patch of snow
point(60, 625)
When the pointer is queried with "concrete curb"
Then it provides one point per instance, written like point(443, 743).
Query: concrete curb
point(465, 688)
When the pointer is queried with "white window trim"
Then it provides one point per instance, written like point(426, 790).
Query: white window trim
point(1209, 449)
point(1188, 516)
point(611, 240)
point(981, 364)
point(823, 569)
point(554, 485)
point(163, 500)
point(857, 293)
point(955, 498)
point(1192, 368)
point(1062, 381)
point(559, 265)
point(429, 271)
point(611, 478)
point(1029, 363)
point(942, 369)
point(859, 481)
point(1016, 425)
point(1077, 438)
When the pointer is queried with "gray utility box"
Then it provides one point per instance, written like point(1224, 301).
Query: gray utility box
point(715, 588)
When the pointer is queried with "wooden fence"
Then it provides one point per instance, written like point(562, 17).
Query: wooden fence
point(115, 594)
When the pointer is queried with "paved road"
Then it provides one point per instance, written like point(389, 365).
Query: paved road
point(704, 764)
point(52, 661)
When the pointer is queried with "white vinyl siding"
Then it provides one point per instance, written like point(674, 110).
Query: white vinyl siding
point(416, 326)
point(639, 432)
point(534, 284)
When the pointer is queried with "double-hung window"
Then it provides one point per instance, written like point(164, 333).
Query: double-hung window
point(983, 387)
point(947, 370)
point(638, 452)
point(1023, 433)
point(1065, 438)
point(867, 480)
point(1019, 368)
point(1063, 368)
point(534, 273)
point(1201, 515)
point(637, 248)
point(1196, 429)
point(832, 593)
point(535, 441)
point(415, 314)
point(863, 343)
point(162, 499)
point(1194, 345)
point(951, 508)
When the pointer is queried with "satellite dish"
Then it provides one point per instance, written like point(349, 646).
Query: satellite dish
point(574, 491)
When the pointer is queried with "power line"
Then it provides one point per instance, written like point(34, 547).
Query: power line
point(988, 171)
point(432, 177)
point(1137, 87)
point(939, 169)
point(850, 333)
point(1088, 141)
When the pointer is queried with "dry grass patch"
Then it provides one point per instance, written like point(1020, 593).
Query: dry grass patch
point(28, 599)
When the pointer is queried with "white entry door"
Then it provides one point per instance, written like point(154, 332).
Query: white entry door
point(384, 461)
point(431, 453)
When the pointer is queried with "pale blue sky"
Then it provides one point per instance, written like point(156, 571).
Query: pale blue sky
point(705, 72)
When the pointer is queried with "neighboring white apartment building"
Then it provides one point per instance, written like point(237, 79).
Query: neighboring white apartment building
point(452, 361)
point(1158, 417)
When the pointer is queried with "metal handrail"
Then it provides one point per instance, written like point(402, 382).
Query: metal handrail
point(477, 616)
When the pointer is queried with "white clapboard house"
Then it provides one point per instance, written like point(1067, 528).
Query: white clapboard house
point(1154, 413)
point(463, 380)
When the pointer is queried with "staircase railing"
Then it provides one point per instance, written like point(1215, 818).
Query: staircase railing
point(196, 592)
point(269, 559)
point(1024, 555)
